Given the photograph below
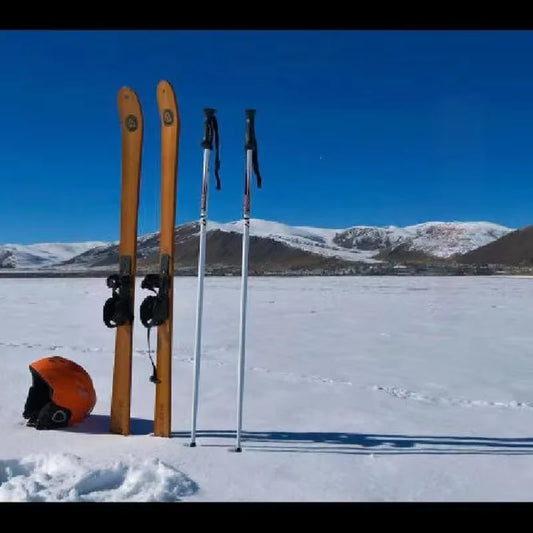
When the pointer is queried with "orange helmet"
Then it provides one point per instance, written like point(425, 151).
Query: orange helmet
point(62, 393)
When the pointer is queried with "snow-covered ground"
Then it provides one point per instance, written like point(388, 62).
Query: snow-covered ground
point(357, 389)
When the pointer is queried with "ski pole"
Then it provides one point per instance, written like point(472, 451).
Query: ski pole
point(252, 165)
point(210, 132)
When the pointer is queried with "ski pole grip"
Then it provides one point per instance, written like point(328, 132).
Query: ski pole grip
point(250, 141)
point(207, 141)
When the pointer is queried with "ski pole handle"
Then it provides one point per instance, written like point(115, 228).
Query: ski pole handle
point(250, 141)
point(207, 141)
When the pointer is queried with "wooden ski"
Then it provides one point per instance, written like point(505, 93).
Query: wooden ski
point(118, 310)
point(157, 310)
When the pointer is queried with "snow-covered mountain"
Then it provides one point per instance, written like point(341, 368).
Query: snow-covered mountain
point(30, 256)
point(320, 241)
point(439, 239)
point(275, 243)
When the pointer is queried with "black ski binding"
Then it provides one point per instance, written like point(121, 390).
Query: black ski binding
point(117, 309)
point(155, 309)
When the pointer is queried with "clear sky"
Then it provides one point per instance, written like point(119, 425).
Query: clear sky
point(354, 126)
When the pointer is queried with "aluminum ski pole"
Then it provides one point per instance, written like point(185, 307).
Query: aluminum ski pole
point(251, 166)
point(210, 132)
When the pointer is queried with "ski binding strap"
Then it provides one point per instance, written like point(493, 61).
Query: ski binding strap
point(155, 309)
point(117, 309)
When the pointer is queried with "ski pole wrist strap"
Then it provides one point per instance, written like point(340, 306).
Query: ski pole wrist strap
point(251, 143)
point(210, 134)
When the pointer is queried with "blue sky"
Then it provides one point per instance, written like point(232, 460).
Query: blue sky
point(353, 126)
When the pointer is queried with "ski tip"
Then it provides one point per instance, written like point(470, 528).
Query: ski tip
point(167, 103)
point(164, 86)
point(128, 105)
point(126, 93)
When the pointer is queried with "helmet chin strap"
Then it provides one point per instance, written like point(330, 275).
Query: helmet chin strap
point(50, 416)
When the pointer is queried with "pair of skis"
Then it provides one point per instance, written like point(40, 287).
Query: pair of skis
point(155, 310)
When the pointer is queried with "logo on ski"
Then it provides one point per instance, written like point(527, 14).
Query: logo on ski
point(131, 122)
point(168, 117)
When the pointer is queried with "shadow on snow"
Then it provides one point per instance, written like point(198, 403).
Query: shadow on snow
point(330, 442)
point(99, 425)
point(366, 444)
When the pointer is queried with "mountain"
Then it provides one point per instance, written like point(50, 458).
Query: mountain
point(308, 239)
point(30, 256)
point(274, 247)
point(277, 247)
point(271, 252)
point(437, 239)
point(514, 249)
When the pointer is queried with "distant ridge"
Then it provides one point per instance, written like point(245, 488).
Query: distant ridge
point(274, 247)
point(515, 248)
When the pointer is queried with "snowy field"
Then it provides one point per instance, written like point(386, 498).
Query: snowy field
point(358, 389)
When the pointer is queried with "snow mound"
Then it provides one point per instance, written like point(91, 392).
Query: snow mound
point(66, 477)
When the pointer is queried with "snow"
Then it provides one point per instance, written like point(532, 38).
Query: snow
point(357, 389)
